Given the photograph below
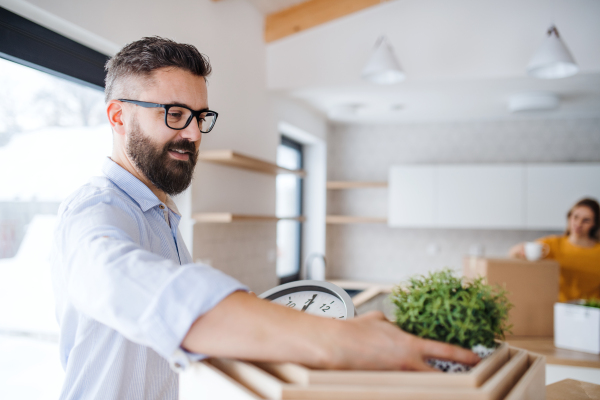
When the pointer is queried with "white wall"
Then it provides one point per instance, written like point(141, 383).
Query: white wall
point(309, 128)
point(379, 253)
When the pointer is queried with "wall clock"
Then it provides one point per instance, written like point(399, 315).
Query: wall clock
point(313, 297)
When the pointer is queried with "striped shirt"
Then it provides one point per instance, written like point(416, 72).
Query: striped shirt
point(126, 290)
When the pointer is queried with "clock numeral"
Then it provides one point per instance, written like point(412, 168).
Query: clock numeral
point(324, 307)
point(291, 304)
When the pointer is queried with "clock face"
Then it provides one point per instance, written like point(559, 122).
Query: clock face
point(313, 297)
point(314, 302)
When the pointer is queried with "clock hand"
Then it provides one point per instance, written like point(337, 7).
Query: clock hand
point(311, 301)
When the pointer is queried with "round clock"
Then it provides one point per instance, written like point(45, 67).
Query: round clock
point(314, 297)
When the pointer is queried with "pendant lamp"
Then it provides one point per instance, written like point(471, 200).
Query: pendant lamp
point(383, 67)
point(552, 60)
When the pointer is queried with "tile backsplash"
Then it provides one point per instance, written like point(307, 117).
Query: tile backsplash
point(378, 253)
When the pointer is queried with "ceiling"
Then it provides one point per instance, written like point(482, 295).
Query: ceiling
point(463, 59)
point(271, 6)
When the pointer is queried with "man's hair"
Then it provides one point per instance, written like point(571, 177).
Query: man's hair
point(142, 57)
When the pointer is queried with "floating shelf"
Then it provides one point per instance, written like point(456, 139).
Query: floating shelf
point(231, 158)
point(349, 219)
point(355, 184)
point(225, 218)
point(361, 285)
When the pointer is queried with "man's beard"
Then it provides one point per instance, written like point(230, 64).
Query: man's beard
point(166, 173)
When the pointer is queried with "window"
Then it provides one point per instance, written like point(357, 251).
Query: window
point(289, 204)
point(53, 137)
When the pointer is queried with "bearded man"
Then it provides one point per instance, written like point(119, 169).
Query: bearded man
point(133, 308)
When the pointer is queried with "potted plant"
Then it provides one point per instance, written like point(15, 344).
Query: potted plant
point(577, 325)
point(443, 307)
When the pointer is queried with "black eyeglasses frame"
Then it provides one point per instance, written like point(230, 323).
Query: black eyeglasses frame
point(147, 104)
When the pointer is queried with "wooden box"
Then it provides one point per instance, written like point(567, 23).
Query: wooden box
point(532, 288)
point(521, 376)
point(300, 375)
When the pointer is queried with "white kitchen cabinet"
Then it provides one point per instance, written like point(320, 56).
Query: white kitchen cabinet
point(489, 196)
point(480, 196)
point(411, 192)
point(551, 190)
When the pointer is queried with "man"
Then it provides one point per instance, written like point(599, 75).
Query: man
point(132, 306)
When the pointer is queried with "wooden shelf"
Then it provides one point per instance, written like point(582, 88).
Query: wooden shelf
point(225, 218)
point(355, 185)
point(231, 158)
point(349, 219)
point(361, 285)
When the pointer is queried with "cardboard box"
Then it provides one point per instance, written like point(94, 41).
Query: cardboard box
point(573, 390)
point(532, 287)
point(577, 327)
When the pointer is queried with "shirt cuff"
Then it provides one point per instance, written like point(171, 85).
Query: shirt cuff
point(193, 290)
point(180, 359)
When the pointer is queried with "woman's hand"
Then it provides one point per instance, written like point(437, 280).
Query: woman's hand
point(517, 251)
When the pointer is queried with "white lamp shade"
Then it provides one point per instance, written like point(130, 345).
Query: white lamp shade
point(383, 67)
point(552, 60)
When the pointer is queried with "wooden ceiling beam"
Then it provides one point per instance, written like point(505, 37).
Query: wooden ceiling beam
point(310, 14)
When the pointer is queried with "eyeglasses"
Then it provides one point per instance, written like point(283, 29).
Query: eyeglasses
point(178, 117)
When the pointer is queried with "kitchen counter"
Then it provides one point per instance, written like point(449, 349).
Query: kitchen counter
point(555, 356)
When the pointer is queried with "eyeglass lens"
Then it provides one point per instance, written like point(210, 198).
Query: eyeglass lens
point(177, 118)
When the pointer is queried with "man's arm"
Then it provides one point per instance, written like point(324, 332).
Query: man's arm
point(102, 270)
point(243, 326)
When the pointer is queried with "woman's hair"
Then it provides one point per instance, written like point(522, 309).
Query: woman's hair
point(595, 208)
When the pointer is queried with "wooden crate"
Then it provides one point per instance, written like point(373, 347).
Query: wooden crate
point(520, 377)
point(297, 374)
point(532, 385)
point(205, 381)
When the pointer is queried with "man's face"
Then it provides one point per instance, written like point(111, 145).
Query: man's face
point(166, 157)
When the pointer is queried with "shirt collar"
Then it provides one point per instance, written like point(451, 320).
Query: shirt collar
point(135, 188)
point(171, 204)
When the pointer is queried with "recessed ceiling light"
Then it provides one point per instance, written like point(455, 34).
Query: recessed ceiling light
point(533, 101)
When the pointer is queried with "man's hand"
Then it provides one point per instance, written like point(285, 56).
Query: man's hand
point(245, 327)
point(371, 342)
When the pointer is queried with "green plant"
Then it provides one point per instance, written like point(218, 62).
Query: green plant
point(442, 307)
point(592, 303)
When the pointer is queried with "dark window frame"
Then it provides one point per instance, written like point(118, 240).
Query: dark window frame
point(27, 43)
point(285, 141)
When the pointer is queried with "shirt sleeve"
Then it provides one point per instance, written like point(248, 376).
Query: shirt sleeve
point(109, 276)
point(552, 243)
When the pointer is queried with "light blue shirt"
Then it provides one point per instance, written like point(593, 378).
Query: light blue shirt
point(126, 290)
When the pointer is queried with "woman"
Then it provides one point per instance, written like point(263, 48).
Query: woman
point(577, 252)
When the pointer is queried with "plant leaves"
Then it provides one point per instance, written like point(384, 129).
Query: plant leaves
point(446, 308)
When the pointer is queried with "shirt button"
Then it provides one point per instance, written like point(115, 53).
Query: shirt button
point(162, 207)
